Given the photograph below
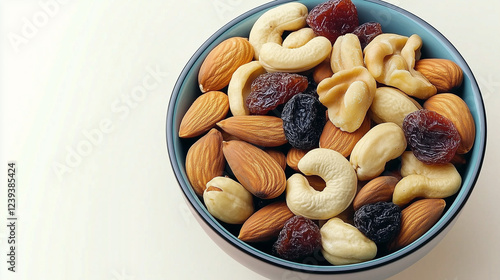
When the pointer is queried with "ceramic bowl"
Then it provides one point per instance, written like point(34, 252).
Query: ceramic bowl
point(393, 20)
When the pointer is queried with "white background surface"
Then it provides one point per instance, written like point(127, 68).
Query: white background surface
point(110, 208)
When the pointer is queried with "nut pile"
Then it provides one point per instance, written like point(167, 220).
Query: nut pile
point(320, 136)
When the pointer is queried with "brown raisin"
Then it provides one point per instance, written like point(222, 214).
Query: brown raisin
point(299, 238)
point(432, 137)
point(272, 89)
point(333, 18)
point(367, 31)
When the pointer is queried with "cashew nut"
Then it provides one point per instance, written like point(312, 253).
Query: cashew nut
point(343, 243)
point(239, 86)
point(298, 38)
point(276, 58)
point(348, 95)
point(380, 144)
point(228, 201)
point(425, 181)
point(346, 53)
point(270, 26)
point(390, 58)
point(392, 105)
point(340, 179)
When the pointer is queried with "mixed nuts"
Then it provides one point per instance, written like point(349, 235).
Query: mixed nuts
point(269, 147)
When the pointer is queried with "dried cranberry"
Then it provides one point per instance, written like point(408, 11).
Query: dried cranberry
point(367, 31)
point(272, 89)
point(299, 238)
point(333, 18)
point(432, 137)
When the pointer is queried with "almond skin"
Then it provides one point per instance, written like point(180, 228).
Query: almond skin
point(220, 64)
point(255, 169)
point(293, 156)
point(266, 223)
point(204, 113)
point(265, 131)
point(278, 156)
point(378, 189)
point(341, 141)
point(444, 74)
point(416, 219)
point(456, 110)
point(205, 160)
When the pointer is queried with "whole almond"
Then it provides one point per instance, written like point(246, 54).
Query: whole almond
point(341, 141)
point(322, 71)
point(220, 64)
point(205, 160)
point(204, 113)
point(255, 169)
point(266, 223)
point(416, 219)
point(456, 110)
point(444, 74)
point(378, 189)
point(293, 156)
point(265, 131)
point(278, 156)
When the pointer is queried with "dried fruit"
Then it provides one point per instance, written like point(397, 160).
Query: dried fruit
point(432, 137)
point(272, 89)
point(299, 238)
point(379, 221)
point(333, 18)
point(303, 121)
point(367, 31)
point(452, 107)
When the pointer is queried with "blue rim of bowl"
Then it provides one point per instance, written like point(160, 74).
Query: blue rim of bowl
point(448, 217)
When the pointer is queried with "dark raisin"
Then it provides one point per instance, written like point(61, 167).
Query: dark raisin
point(272, 89)
point(299, 238)
point(432, 137)
point(367, 31)
point(378, 221)
point(333, 18)
point(303, 120)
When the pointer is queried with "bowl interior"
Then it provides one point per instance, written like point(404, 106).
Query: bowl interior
point(393, 20)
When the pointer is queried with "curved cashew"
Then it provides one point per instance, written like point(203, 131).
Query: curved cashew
point(342, 243)
point(239, 86)
point(348, 95)
point(346, 53)
point(276, 58)
point(425, 181)
point(391, 60)
point(227, 200)
point(298, 38)
point(392, 105)
point(380, 144)
point(270, 26)
point(341, 185)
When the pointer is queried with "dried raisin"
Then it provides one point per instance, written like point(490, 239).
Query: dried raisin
point(272, 89)
point(299, 238)
point(303, 120)
point(367, 31)
point(432, 137)
point(333, 18)
point(378, 221)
